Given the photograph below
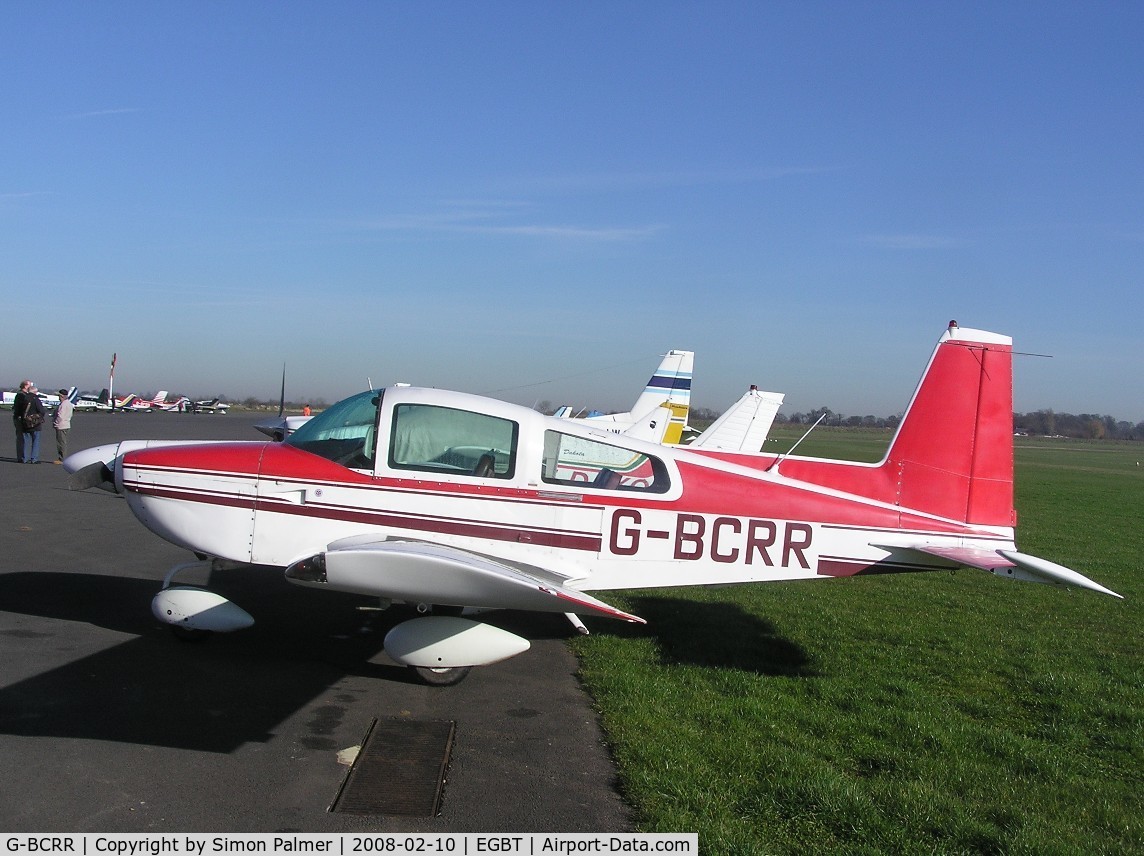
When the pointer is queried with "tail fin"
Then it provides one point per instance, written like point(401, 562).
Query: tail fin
point(953, 452)
point(670, 384)
point(663, 425)
point(952, 455)
point(669, 387)
point(744, 427)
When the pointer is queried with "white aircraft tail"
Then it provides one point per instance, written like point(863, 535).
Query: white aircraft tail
point(669, 387)
point(670, 384)
point(664, 425)
point(744, 427)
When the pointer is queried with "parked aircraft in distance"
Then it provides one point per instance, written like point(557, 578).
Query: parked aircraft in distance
point(159, 402)
point(742, 428)
point(210, 405)
point(132, 404)
point(91, 401)
point(454, 501)
point(669, 386)
point(48, 399)
point(126, 404)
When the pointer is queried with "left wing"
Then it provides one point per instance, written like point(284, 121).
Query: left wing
point(424, 572)
point(1011, 564)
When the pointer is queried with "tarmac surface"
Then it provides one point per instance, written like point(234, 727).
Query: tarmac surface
point(110, 724)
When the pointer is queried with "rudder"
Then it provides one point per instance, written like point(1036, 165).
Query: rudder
point(953, 451)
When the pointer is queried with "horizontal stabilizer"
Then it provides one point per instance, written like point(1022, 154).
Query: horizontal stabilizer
point(1051, 572)
point(422, 572)
point(1014, 565)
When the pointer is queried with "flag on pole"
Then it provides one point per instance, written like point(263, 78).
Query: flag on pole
point(113, 356)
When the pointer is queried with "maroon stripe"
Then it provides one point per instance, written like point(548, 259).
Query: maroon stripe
point(445, 526)
point(230, 500)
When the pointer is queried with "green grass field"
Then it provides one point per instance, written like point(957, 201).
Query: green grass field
point(922, 713)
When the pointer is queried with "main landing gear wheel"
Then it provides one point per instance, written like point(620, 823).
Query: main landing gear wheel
point(442, 677)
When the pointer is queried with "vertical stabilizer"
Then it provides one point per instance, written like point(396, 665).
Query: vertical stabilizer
point(744, 427)
point(953, 452)
point(670, 384)
point(664, 425)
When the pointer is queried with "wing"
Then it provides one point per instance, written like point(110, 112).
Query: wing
point(424, 572)
point(1011, 564)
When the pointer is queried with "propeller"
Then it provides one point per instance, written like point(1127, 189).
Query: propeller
point(282, 395)
point(93, 475)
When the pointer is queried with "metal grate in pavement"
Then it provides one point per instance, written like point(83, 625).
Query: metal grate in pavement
point(399, 770)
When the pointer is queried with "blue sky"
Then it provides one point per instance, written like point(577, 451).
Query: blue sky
point(537, 199)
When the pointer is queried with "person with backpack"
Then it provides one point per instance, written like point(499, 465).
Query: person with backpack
point(28, 416)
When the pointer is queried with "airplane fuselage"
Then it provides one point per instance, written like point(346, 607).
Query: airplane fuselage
point(700, 519)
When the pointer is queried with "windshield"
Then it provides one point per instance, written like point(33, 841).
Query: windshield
point(344, 433)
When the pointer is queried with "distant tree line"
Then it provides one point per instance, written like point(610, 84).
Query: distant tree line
point(254, 403)
point(1041, 423)
point(838, 420)
point(1088, 426)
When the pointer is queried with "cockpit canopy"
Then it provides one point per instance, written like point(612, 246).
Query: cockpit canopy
point(436, 437)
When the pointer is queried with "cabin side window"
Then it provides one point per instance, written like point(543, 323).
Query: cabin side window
point(592, 465)
point(429, 438)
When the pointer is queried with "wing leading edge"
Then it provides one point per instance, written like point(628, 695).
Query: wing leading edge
point(423, 572)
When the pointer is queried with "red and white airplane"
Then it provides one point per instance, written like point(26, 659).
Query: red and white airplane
point(451, 500)
point(160, 402)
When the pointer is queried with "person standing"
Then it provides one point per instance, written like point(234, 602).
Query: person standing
point(19, 405)
point(62, 423)
point(28, 413)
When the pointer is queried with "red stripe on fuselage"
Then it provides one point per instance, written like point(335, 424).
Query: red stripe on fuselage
point(286, 465)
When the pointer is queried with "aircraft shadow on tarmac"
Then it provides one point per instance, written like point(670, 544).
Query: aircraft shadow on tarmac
point(153, 689)
point(721, 635)
point(232, 689)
